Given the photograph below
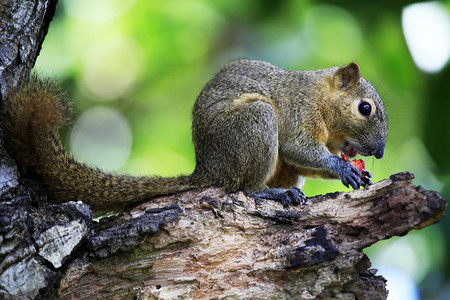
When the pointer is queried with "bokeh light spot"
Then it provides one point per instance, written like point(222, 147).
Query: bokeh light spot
point(399, 285)
point(101, 137)
point(111, 67)
point(427, 32)
point(327, 25)
point(96, 10)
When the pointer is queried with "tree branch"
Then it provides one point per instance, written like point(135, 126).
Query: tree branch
point(209, 244)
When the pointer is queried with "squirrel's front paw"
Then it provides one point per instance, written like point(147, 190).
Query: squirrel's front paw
point(351, 176)
point(359, 164)
point(287, 197)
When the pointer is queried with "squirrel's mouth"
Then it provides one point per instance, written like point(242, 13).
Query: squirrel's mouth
point(351, 151)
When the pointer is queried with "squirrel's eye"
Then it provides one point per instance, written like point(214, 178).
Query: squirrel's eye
point(364, 108)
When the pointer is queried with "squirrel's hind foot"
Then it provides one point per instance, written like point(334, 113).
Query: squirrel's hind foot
point(287, 197)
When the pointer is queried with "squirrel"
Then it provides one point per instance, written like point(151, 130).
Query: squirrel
point(256, 127)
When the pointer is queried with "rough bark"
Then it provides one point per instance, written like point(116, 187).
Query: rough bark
point(207, 244)
point(198, 244)
point(23, 26)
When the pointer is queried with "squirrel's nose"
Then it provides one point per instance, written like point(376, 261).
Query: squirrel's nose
point(378, 153)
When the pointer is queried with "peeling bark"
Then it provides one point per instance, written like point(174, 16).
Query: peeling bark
point(209, 244)
point(218, 245)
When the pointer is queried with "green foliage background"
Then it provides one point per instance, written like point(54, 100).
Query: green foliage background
point(150, 59)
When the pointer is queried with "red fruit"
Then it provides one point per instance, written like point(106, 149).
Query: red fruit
point(358, 163)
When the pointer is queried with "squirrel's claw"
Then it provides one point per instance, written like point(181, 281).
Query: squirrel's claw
point(352, 177)
point(287, 197)
point(366, 175)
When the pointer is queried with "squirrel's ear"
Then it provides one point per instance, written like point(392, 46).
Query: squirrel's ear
point(347, 76)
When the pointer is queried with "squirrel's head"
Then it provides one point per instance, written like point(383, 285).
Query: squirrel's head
point(358, 115)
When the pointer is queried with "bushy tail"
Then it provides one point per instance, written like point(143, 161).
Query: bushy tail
point(34, 115)
point(38, 108)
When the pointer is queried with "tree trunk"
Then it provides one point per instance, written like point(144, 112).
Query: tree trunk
point(194, 245)
point(23, 26)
